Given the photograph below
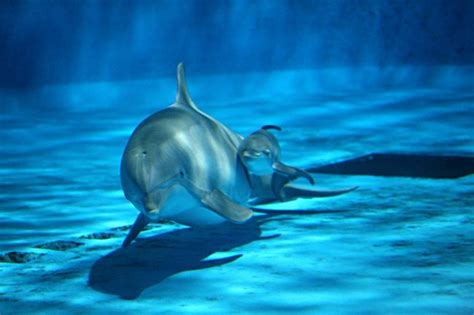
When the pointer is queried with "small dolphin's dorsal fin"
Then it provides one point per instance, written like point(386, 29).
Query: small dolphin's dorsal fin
point(182, 95)
point(268, 127)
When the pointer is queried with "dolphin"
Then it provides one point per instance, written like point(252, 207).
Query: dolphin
point(183, 165)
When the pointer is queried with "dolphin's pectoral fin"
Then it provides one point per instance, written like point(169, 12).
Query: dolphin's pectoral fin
point(292, 172)
point(221, 204)
point(290, 192)
point(137, 227)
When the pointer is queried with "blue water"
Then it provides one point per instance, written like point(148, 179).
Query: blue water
point(342, 79)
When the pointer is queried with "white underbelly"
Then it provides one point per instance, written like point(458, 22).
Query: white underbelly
point(198, 216)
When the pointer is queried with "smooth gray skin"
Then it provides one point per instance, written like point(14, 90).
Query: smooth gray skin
point(183, 165)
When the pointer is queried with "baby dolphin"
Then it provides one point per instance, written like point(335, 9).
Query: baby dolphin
point(183, 165)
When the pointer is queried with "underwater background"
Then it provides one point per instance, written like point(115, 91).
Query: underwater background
point(389, 81)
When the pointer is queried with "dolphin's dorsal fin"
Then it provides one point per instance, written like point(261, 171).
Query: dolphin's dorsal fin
point(182, 95)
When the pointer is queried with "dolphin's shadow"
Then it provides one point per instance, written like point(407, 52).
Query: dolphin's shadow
point(127, 272)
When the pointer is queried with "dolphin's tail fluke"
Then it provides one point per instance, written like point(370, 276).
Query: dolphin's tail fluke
point(293, 192)
point(290, 192)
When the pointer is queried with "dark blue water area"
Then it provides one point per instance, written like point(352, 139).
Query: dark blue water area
point(108, 40)
point(343, 79)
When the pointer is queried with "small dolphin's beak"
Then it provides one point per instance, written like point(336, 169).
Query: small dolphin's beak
point(292, 172)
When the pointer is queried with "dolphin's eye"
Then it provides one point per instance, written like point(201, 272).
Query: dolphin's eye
point(255, 153)
point(251, 153)
point(266, 152)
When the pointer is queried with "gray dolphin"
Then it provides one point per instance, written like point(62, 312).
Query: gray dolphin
point(183, 165)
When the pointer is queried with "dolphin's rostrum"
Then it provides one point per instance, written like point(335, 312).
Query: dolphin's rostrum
point(183, 165)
